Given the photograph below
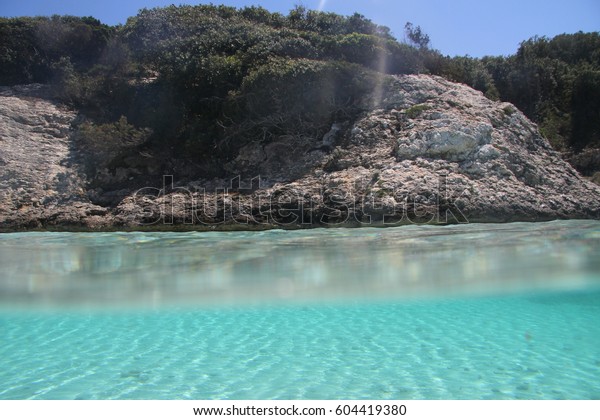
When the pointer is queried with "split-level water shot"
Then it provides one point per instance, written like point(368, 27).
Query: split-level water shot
point(321, 201)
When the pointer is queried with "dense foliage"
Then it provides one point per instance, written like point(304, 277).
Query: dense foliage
point(556, 82)
point(31, 48)
point(199, 82)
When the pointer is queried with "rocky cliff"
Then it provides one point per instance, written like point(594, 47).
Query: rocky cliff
point(40, 181)
point(427, 151)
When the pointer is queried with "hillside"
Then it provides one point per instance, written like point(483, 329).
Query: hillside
point(202, 81)
point(425, 151)
point(207, 94)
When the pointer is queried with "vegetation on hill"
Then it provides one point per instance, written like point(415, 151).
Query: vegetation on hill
point(555, 82)
point(196, 83)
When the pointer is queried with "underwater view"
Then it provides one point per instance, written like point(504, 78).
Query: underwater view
point(480, 311)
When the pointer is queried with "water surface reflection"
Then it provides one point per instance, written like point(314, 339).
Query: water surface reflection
point(230, 267)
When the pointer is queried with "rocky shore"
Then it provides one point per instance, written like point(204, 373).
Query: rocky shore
point(427, 151)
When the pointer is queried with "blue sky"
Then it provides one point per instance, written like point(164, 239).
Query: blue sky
point(456, 27)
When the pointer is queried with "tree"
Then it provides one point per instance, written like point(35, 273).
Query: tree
point(416, 36)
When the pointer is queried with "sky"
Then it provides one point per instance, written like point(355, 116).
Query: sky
point(456, 27)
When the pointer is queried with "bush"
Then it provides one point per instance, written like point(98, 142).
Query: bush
point(297, 97)
point(30, 48)
point(102, 143)
point(416, 110)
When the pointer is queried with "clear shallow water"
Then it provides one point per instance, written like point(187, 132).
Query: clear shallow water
point(158, 269)
point(475, 311)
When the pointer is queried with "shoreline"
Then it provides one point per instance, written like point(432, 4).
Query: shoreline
point(198, 227)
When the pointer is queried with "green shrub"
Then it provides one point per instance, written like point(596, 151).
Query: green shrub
point(416, 110)
point(31, 47)
point(296, 97)
point(102, 143)
point(509, 110)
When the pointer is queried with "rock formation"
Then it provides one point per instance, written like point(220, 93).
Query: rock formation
point(429, 151)
point(40, 182)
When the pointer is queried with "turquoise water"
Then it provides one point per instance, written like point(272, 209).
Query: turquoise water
point(459, 312)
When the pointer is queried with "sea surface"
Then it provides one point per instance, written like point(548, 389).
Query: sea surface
point(474, 311)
